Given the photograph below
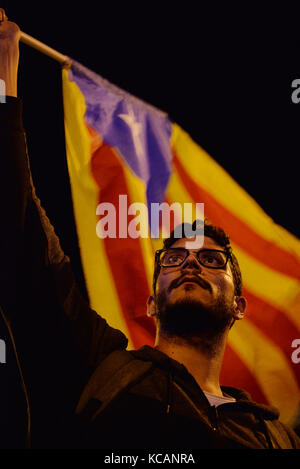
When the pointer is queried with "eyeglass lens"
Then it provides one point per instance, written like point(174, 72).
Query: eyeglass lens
point(209, 258)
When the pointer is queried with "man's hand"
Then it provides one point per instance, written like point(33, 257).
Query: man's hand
point(9, 54)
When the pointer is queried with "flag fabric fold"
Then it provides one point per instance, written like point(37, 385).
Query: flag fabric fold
point(123, 152)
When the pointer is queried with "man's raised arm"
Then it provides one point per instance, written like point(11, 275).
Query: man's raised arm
point(37, 288)
point(14, 176)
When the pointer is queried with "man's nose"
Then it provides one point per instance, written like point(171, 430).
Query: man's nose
point(192, 261)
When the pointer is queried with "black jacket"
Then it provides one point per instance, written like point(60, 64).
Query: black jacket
point(67, 380)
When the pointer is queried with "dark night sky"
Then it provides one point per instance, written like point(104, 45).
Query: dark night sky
point(226, 82)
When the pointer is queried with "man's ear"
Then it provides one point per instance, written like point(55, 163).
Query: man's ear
point(151, 307)
point(240, 305)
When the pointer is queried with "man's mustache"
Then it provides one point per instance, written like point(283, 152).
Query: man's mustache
point(191, 278)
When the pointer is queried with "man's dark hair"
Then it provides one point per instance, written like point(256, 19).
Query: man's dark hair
point(218, 235)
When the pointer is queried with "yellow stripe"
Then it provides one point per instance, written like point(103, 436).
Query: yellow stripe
point(208, 174)
point(176, 192)
point(269, 366)
point(99, 280)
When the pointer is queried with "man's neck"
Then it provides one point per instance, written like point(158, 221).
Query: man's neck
point(203, 366)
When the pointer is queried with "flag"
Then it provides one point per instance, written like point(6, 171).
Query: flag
point(124, 153)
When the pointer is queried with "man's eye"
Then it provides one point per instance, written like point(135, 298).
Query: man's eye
point(209, 259)
point(213, 260)
point(174, 258)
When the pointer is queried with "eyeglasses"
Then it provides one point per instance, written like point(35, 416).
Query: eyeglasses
point(211, 258)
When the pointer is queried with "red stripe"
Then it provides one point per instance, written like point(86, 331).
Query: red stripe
point(241, 234)
point(235, 373)
point(129, 275)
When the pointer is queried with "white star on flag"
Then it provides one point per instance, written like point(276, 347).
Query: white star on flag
point(136, 130)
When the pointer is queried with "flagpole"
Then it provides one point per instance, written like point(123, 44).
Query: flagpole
point(40, 46)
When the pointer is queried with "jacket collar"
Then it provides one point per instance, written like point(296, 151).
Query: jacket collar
point(243, 398)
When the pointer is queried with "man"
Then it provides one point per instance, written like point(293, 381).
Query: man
point(70, 380)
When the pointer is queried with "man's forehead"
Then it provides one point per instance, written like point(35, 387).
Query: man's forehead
point(208, 243)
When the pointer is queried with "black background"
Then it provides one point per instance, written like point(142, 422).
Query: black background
point(223, 75)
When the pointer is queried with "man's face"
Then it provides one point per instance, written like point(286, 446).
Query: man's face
point(193, 299)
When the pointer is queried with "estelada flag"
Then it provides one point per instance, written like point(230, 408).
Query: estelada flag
point(117, 146)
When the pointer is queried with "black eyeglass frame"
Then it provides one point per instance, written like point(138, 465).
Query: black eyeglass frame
point(159, 251)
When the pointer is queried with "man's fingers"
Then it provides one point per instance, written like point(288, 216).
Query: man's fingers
point(3, 16)
point(8, 29)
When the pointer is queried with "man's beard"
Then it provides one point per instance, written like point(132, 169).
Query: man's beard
point(190, 321)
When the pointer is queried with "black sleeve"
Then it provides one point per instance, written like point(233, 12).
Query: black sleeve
point(55, 329)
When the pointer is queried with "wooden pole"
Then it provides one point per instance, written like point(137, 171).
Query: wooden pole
point(40, 46)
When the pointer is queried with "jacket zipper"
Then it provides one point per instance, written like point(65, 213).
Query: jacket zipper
point(212, 410)
point(214, 417)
